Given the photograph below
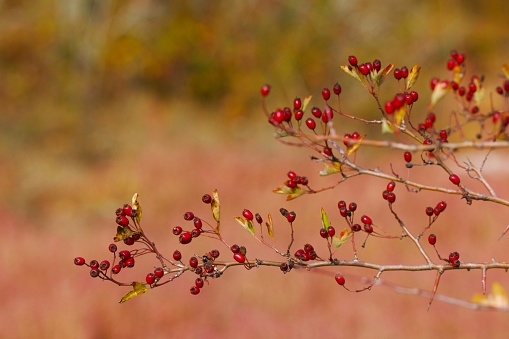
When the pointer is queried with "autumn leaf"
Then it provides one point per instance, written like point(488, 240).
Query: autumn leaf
point(325, 219)
point(440, 90)
point(353, 148)
point(328, 169)
point(214, 206)
point(505, 70)
point(497, 298)
point(353, 72)
point(123, 233)
point(138, 289)
point(270, 229)
point(291, 193)
point(136, 206)
point(305, 102)
point(340, 239)
point(412, 76)
point(386, 127)
point(379, 78)
point(247, 224)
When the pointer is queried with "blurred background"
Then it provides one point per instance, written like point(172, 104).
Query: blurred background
point(104, 98)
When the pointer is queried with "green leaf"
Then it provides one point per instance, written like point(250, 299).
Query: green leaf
point(325, 219)
point(247, 224)
point(412, 76)
point(328, 169)
point(214, 206)
point(123, 233)
point(138, 289)
point(340, 239)
point(305, 103)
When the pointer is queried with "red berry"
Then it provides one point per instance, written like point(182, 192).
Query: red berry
point(337, 89)
point(185, 237)
point(500, 90)
point(206, 198)
point(389, 107)
point(385, 193)
point(461, 91)
point(442, 205)
point(94, 272)
point(341, 203)
point(297, 103)
point(299, 114)
point(460, 58)
point(239, 257)
point(451, 64)
point(317, 113)
point(310, 123)
point(129, 241)
point(327, 115)
point(377, 65)
point(454, 179)
point(235, 248)
point(356, 227)
point(506, 86)
point(301, 255)
point(326, 94)
point(352, 59)
point(291, 216)
point(247, 214)
point(390, 186)
point(363, 68)
point(199, 282)
point(331, 231)
point(432, 239)
point(124, 255)
point(159, 272)
point(150, 278)
point(104, 265)
point(265, 90)
point(130, 262)
point(366, 220)
point(414, 95)
point(127, 209)
point(304, 180)
point(323, 233)
point(214, 254)
point(116, 269)
point(344, 212)
point(177, 255)
point(242, 250)
point(122, 220)
point(177, 230)
point(429, 211)
point(197, 223)
point(436, 211)
point(195, 232)
point(193, 262)
point(368, 228)
point(79, 261)
point(408, 156)
point(391, 197)
point(194, 290)
point(404, 72)
point(119, 212)
point(340, 279)
point(434, 82)
point(308, 248)
point(290, 183)
point(291, 175)
point(258, 218)
point(397, 73)
point(352, 206)
point(189, 216)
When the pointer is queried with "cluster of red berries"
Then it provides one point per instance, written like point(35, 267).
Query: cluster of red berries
point(101, 269)
point(294, 180)
point(428, 122)
point(203, 267)
point(454, 259)
point(457, 59)
point(122, 220)
point(290, 216)
point(401, 73)
point(365, 68)
point(185, 237)
point(439, 208)
point(348, 212)
point(388, 194)
point(504, 89)
point(348, 136)
point(307, 253)
point(399, 100)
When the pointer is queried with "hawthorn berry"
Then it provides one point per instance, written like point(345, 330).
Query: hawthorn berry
point(197, 223)
point(290, 183)
point(199, 282)
point(119, 212)
point(397, 73)
point(308, 248)
point(116, 269)
point(363, 68)
point(127, 209)
point(193, 262)
point(324, 233)
point(326, 94)
point(377, 65)
point(317, 113)
point(177, 230)
point(291, 216)
point(194, 290)
point(432, 239)
point(331, 231)
point(299, 114)
point(391, 185)
point(352, 206)
point(407, 156)
point(235, 248)
point(297, 103)
point(265, 90)
point(94, 272)
point(356, 227)
point(385, 193)
point(340, 279)
point(247, 214)
point(389, 107)
point(195, 233)
point(239, 257)
point(434, 82)
point(214, 253)
point(310, 123)
point(366, 220)
point(327, 115)
point(206, 198)
point(104, 265)
point(177, 255)
point(129, 241)
point(337, 88)
point(429, 211)
point(209, 268)
point(124, 254)
point(344, 212)
point(352, 60)
point(500, 90)
point(122, 220)
point(79, 261)
point(341, 203)
point(304, 180)
point(436, 211)
point(150, 278)
point(189, 216)
point(404, 72)
point(185, 237)
point(442, 205)
point(368, 228)
point(301, 255)
point(451, 63)
point(391, 197)
point(159, 272)
point(129, 262)
point(454, 179)
point(258, 218)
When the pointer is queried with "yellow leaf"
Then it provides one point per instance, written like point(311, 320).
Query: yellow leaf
point(335, 168)
point(353, 72)
point(343, 236)
point(479, 93)
point(497, 298)
point(379, 77)
point(305, 103)
point(440, 90)
point(247, 224)
point(412, 76)
point(214, 206)
point(136, 206)
point(123, 233)
point(138, 289)
point(505, 69)
point(270, 229)
point(353, 148)
point(386, 127)
point(325, 219)
point(399, 114)
point(458, 73)
point(292, 193)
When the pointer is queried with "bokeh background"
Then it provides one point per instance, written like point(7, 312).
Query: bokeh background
point(104, 98)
